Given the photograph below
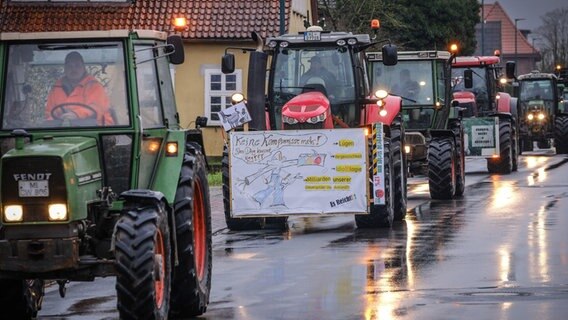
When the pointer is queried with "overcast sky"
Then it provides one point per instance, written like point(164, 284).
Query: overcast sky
point(531, 10)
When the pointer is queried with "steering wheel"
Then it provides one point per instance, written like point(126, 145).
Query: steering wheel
point(77, 104)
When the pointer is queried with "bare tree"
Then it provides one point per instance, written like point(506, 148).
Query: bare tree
point(554, 33)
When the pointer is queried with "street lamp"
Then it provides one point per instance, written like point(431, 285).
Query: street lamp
point(482, 28)
point(534, 50)
point(516, 36)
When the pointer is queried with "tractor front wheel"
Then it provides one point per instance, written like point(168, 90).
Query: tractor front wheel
point(192, 276)
point(143, 263)
point(21, 299)
point(381, 215)
point(400, 169)
point(561, 134)
point(504, 163)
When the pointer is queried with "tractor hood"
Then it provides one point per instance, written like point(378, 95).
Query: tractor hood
point(52, 170)
point(54, 146)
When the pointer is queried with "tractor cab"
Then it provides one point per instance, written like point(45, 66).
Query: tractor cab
point(325, 68)
point(478, 76)
point(316, 79)
point(421, 79)
point(538, 92)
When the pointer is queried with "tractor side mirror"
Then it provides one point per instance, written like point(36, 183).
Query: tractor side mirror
point(510, 69)
point(175, 49)
point(228, 63)
point(390, 55)
point(468, 79)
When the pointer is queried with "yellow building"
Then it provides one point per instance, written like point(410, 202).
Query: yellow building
point(212, 26)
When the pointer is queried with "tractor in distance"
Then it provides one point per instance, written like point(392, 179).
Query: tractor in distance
point(490, 117)
point(433, 131)
point(340, 149)
point(541, 112)
point(90, 192)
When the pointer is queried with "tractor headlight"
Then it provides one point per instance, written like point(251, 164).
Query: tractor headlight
point(289, 120)
point(530, 116)
point(13, 213)
point(407, 149)
point(237, 98)
point(317, 119)
point(57, 212)
point(381, 94)
point(541, 116)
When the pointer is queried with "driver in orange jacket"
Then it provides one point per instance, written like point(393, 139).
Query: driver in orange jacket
point(77, 86)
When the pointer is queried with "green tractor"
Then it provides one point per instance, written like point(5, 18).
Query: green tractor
point(434, 138)
point(83, 197)
point(542, 115)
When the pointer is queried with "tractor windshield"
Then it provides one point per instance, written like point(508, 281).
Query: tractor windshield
point(325, 69)
point(536, 95)
point(479, 87)
point(417, 83)
point(64, 84)
point(535, 90)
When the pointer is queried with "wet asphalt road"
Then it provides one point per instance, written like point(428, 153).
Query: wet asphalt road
point(500, 252)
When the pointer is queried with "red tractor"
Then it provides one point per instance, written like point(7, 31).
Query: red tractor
point(490, 114)
point(298, 103)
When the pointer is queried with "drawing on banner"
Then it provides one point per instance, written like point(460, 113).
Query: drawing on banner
point(234, 116)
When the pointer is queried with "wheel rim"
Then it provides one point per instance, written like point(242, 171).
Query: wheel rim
point(159, 282)
point(199, 230)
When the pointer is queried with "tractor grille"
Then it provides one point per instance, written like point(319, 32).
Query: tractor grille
point(34, 183)
point(303, 126)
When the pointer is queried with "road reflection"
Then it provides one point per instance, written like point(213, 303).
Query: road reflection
point(394, 259)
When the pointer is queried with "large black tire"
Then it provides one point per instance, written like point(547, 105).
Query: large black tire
point(381, 216)
point(561, 134)
point(21, 299)
point(400, 169)
point(457, 129)
point(191, 283)
point(143, 262)
point(515, 148)
point(442, 168)
point(503, 164)
point(235, 224)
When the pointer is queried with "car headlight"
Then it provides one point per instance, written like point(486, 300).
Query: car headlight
point(57, 212)
point(13, 213)
point(289, 120)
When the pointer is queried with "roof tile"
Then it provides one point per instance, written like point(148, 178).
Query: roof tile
point(208, 18)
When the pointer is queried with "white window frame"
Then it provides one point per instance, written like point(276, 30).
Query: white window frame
point(223, 92)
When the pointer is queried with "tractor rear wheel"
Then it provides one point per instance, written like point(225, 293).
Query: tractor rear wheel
point(381, 215)
point(400, 169)
point(143, 263)
point(191, 283)
point(503, 164)
point(235, 224)
point(21, 299)
point(442, 168)
point(561, 134)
